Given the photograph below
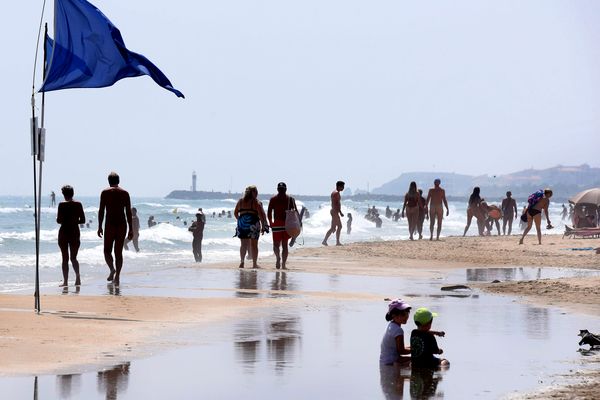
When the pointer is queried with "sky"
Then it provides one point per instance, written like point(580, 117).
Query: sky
point(313, 91)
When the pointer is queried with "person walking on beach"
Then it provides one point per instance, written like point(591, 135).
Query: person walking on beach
point(251, 222)
point(69, 215)
point(115, 201)
point(136, 231)
point(435, 199)
point(474, 210)
point(276, 214)
point(509, 212)
point(422, 214)
point(538, 202)
point(197, 229)
point(336, 214)
point(412, 202)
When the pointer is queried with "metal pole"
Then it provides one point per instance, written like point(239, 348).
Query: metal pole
point(40, 157)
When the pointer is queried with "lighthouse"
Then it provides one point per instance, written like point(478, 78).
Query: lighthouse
point(194, 181)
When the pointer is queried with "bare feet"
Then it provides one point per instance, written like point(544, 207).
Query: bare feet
point(284, 267)
point(277, 265)
point(111, 276)
point(521, 241)
point(64, 284)
point(116, 281)
point(324, 243)
point(338, 244)
point(241, 265)
point(256, 266)
point(78, 281)
point(420, 236)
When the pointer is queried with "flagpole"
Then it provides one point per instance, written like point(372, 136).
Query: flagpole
point(34, 151)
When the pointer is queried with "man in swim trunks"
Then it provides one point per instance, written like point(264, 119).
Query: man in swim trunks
point(117, 204)
point(436, 199)
point(336, 214)
point(278, 205)
point(509, 209)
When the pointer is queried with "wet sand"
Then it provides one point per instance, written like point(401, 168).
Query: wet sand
point(76, 331)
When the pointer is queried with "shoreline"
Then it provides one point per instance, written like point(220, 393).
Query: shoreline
point(86, 331)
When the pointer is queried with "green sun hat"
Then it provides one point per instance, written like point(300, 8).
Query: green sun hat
point(423, 315)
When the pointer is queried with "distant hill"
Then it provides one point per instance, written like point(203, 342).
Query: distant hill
point(565, 181)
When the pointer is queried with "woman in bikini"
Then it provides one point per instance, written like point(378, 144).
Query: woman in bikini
point(70, 215)
point(474, 210)
point(534, 214)
point(251, 222)
point(412, 203)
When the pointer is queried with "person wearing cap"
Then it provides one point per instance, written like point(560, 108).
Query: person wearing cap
point(436, 200)
point(336, 214)
point(423, 345)
point(276, 211)
point(197, 229)
point(392, 345)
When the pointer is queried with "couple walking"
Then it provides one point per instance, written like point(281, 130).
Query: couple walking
point(252, 222)
point(115, 204)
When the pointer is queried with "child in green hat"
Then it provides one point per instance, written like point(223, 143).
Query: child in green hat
point(423, 345)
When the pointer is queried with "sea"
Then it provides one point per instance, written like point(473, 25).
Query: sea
point(168, 244)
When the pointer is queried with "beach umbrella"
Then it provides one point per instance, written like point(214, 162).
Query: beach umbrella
point(590, 196)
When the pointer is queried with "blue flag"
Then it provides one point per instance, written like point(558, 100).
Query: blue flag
point(88, 51)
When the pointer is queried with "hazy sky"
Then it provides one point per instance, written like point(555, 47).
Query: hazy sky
point(313, 91)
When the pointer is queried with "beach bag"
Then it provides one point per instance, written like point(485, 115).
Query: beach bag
point(292, 221)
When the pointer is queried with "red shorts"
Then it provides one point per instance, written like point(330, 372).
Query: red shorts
point(279, 233)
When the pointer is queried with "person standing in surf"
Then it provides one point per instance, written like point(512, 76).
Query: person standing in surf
point(412, 203)
point(197, 229)
point(336, 214)
point(69, 215)
point(436, 200)
point(474, 210)
point(115, 202)
point(509, 212)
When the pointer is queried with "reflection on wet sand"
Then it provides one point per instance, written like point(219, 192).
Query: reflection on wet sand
point(502, 274)
point(281, 338)
point(66, 383)
point(280, 282)
point(113, 290)
point(538, 322)
point(113, 381)
point(422, 382)
point(247, 280)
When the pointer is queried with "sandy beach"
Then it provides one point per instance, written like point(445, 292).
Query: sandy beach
point(78, 331)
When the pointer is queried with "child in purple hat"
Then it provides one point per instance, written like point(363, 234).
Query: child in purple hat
point(392, 345)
